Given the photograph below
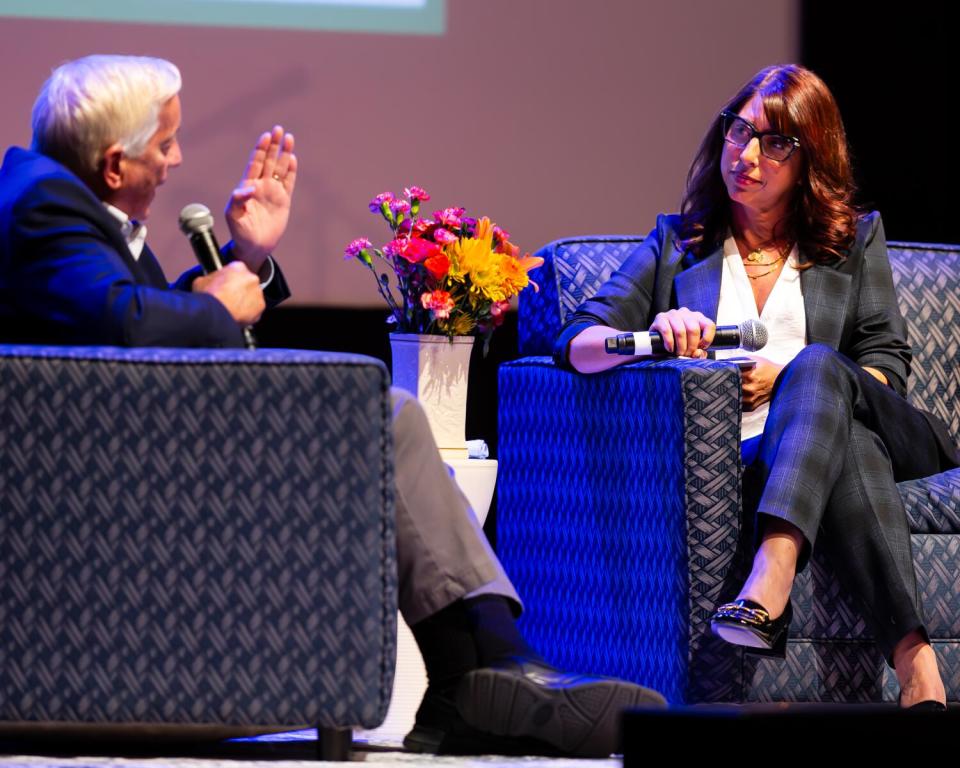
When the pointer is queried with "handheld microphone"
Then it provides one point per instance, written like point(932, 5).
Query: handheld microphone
point(196, 222)
point(750, 335)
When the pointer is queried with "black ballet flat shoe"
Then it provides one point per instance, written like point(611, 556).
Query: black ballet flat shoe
point(746, 623)
point(929, 705)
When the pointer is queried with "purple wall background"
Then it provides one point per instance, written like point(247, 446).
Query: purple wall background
point(554, 117)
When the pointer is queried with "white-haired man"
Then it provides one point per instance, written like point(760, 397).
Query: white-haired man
point(75, 265)
point(74, 269)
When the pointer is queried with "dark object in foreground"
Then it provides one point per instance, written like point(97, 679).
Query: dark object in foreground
point(862, 730)
point(156, 740)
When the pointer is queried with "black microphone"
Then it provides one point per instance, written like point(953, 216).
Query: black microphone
point(750, 335)
point(196, 222)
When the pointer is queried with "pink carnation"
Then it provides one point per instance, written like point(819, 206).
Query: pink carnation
point(499, 307)
point(438, 302)
point(394, 247)
point(498, 311)
point(449, 217)
point(399, 206)
point(424, 228)
point(352, 251)
point(416, 193)
point(443, 236)
point(379, 200)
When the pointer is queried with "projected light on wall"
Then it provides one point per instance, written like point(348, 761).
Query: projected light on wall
point(422, 17)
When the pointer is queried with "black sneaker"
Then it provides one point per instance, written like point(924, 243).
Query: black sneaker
point(439, 730)
point(548, 711)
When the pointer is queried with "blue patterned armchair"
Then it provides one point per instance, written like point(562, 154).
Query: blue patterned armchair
point(619, 505)
point(195, 537)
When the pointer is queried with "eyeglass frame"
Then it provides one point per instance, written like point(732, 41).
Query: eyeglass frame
point(759, 135)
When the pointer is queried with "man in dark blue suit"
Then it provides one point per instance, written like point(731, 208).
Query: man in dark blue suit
point(74, 269)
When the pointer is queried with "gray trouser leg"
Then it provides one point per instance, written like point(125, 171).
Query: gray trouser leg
point(834, 445)
point(442, 552)
point(816, 399)
point(866, 535)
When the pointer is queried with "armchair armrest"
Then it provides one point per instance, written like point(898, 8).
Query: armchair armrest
point(195, 536)
point(618, 516)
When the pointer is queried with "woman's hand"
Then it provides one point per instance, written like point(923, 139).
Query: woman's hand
point(757, 383)
point(685, 332)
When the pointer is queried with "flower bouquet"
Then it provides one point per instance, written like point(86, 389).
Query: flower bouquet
point(454, 274)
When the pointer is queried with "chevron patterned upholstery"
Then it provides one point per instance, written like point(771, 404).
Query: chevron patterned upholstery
point(928, 288)
point(572, 271)
point(619, 509)
point(195, 537)
point(587, 487)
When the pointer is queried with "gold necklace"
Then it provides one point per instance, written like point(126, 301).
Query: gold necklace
point(758, 263)
point(755, 257)
point(769, 271)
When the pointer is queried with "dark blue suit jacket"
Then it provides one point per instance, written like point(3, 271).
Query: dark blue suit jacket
point(67, 275)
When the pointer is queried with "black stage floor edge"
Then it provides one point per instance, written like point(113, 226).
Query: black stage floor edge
point(785, 733)
point(180, 741)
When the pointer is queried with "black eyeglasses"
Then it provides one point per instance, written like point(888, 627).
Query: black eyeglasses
point(739, 132)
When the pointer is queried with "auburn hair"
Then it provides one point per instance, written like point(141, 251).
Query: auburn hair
point(823, 218)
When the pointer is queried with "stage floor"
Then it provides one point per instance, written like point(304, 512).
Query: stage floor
point(378, 759)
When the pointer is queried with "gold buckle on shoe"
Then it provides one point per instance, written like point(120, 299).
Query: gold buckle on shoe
point(737, 611)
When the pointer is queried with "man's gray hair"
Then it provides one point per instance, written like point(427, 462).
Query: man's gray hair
point(90, 103)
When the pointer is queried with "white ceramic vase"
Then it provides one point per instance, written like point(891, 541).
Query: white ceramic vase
point(435, 369)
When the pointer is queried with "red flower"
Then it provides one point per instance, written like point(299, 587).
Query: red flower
point(418, 249)
point(437, 265)
point(423, 228)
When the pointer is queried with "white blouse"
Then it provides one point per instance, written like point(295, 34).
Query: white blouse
point(783, 315)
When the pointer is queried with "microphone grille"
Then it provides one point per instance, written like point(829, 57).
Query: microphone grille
point(753, 335)
point(195, 218)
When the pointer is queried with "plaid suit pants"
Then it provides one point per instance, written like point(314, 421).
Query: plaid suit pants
point(835, 444)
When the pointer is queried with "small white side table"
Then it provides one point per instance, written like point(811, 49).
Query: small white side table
point(477, 478)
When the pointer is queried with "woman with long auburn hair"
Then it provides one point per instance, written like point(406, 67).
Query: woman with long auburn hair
point(768, 230)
